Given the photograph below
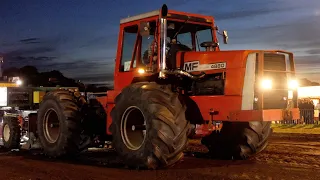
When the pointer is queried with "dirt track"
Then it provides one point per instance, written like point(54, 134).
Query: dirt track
point(288, 156)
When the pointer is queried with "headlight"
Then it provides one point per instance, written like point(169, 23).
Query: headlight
point(141, 71)
point(266, 84)
point(293, 84)
point(19, 82)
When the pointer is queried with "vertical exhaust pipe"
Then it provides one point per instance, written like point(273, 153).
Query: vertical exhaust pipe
point(163, 36)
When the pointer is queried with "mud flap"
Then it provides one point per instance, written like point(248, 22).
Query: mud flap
point(33, 141)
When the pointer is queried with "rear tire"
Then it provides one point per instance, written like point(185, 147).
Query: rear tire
point(59, 108)
point(11, 132)
point(238, 140)
point(166, 127)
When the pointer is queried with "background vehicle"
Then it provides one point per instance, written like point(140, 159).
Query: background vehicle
point(172, 82)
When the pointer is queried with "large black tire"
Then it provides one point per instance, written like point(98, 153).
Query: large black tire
point(63, 108)
point(11, 132)
point(166, 126)
point(238, 140)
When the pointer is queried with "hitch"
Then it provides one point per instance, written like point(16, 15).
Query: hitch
point(213, 123)
point(202, 130)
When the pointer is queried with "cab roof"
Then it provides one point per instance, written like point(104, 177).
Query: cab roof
point(171, 13)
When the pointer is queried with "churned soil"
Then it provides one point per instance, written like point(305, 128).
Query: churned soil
point(288, 156)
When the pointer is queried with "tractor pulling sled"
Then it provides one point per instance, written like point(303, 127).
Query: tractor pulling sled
point(171, 83)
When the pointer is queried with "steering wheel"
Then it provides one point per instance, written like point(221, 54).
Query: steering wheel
point(209, 44)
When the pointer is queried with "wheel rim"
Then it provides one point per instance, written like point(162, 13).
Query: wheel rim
point(6, 132)
point(51, 126)
point(133, 128)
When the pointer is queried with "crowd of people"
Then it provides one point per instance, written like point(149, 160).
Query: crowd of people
point(307, 113)
point(307, 108)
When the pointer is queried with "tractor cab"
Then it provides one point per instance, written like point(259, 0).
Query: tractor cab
point(150, 42)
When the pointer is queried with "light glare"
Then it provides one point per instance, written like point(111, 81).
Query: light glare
point(141, 71)
point(293, 84)
point(19, 82)
point(266, 84)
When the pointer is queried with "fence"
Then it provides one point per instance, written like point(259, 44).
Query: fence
point(307, 116)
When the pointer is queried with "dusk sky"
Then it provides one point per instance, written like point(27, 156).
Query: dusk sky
point(79, 37)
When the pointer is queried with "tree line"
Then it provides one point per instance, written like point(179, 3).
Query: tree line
point(33, 78)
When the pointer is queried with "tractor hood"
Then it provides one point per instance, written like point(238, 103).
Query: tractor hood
point(210, 60)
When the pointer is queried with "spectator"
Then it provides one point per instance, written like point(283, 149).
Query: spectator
point(302, 108)
point(312, 111)
point(309, 111)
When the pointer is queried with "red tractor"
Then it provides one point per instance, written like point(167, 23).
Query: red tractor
point(171, 83)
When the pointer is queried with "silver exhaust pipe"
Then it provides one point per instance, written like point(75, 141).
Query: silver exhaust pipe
point(163, 46)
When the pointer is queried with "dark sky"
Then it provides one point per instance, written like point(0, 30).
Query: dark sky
point(79, 37)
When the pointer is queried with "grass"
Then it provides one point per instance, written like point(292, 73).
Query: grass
point(296, 128)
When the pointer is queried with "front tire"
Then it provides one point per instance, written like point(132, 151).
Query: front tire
point(149, 126)
point(238, 140)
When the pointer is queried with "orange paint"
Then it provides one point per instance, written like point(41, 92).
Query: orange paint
point(229, 104)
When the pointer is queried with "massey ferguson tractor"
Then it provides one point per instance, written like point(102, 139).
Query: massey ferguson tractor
point(171, 83)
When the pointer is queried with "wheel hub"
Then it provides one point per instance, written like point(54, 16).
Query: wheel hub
point(6, 132)
point(51, 126)
point(133, 128)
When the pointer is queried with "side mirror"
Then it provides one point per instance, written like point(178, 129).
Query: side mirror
point(144, 28)
point(225, 36)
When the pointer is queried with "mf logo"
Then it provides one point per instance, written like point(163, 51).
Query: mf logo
point(191, 66)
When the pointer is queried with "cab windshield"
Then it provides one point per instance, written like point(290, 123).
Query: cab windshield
point(189, 34)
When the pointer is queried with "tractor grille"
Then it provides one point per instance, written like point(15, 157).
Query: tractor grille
point(277, 97)
point(276, 62)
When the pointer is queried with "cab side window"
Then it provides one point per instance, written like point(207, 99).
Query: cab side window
point(128, 46)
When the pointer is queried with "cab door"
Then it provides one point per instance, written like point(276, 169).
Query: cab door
point(127, 53)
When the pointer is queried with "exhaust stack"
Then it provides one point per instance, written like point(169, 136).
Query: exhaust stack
point(163, 32)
